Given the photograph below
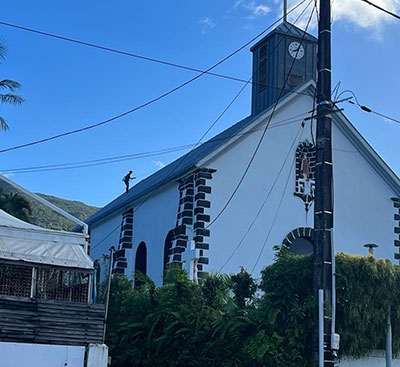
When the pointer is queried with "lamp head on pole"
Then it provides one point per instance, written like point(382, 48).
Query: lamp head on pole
point(371, 247)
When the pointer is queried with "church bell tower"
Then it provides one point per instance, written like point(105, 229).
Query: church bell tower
point(272, 59)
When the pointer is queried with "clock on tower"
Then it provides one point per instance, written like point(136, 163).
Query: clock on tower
point(272, 59)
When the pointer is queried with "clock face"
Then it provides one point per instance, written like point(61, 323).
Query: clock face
point(296, 50)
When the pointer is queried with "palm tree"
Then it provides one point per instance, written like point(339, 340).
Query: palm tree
point(15, 204)
point(10, 86)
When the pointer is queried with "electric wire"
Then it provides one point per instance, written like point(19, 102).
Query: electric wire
point(365, 108)
point(382, 9)
point(263, 134)
point(130, 54)
point(213, 124)
point(117, 159)
point(276, 213)
point(143, 105)
point(264, 202)
point(264, 130)
point(218, 118)
point(94, 162)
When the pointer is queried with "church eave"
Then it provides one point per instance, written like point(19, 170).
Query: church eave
point(195, 159)
point(201, 156)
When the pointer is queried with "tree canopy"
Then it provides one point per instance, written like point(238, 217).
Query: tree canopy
point(7, 89)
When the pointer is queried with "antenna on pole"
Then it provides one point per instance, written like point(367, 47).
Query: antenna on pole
point(285, 10)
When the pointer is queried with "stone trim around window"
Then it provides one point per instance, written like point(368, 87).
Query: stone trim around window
point(396, 205)
point(125, 242)
point(192, 217)
point(301, 232)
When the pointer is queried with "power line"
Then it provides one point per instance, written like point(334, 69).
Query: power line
point(119, 226)
point(95, 162)
point(263, 134)
point(117, 159)
point(382, 9)
point(212, 125)
point(264, 202)
point(365, 108)
point(276, 214)
point(130, 54)
point(148, 102)
point(220, 116)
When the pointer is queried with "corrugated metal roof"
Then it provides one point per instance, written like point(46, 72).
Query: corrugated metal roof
point(288, 30)
point(171, 171)
point(189, 160)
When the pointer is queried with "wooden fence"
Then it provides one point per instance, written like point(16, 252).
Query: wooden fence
point(30, 320)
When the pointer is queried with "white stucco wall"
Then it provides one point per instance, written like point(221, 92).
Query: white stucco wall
point(227, 231)
point(362, 205)
point(97, 355)
point(363, 209)
point(104, 235)
point(151, 223)
point(376, 359)
point(40, 355)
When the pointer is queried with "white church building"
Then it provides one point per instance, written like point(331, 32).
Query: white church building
point(189, 213)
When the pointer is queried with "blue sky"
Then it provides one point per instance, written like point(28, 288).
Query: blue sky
point(67, 86)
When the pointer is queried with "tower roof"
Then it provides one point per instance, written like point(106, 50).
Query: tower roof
point(289, 30)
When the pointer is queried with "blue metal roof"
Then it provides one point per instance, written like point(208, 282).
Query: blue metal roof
point(171, 171)
point(188, 161)
point(288, 30)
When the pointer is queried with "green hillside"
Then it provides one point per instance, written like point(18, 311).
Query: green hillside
point(48, 218)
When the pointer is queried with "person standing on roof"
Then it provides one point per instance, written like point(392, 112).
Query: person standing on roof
point(126, 180)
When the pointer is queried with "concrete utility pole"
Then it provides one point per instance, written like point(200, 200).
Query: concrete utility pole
point(323, 207)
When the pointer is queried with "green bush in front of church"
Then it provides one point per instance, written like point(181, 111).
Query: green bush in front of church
point(234, 321)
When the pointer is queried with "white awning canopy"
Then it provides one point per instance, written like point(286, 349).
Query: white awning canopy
point(21, 241)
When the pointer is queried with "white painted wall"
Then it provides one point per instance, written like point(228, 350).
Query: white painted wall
point(104, 235)
point(97, 355)
point(151, 223)
point(41, 355)
point(363, 209)
point(227, 231)
point(376, 359)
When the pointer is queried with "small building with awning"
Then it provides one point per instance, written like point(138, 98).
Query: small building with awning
point(47, 313)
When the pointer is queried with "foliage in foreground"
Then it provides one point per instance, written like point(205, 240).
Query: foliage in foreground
point(231, 321)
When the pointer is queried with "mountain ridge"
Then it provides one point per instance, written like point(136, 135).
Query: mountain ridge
point(46, 217)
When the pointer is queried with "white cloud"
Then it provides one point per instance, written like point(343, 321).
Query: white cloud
point(159, 164)
point(256, 10)
point(207, 23)
point(354, 12)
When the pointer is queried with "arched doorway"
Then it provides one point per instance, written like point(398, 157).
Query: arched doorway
point(141, 261)
point(300, 241)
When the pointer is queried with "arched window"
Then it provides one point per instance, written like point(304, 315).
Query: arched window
point(167, 251)
point(141, 261)
point(300, 241)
